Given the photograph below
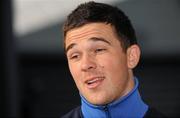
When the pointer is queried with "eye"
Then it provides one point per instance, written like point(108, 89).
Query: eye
point(100, 50)
point(74, 56)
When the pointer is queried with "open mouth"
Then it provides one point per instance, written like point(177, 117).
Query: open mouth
point(94, 82)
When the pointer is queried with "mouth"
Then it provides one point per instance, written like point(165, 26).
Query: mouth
point(94, 82)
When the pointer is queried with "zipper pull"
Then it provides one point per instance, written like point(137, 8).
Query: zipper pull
point(107, 112)
point(105, 108)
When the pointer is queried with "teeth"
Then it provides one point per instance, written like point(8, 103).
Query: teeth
point(91, 81)
point(94, 80)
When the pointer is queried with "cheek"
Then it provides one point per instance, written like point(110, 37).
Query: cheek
point(74, 71)
point(115, 66)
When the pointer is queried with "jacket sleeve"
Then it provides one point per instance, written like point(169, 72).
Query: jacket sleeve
point(74, 113)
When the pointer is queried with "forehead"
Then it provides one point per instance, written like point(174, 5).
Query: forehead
point(90, 30)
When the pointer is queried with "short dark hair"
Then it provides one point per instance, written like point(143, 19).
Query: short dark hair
point(92, 12)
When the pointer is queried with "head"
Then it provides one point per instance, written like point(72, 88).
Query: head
point(102, 50)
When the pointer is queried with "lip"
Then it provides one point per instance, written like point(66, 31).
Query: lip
point(94, 82)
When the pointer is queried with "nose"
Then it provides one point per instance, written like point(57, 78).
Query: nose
point(88, 63)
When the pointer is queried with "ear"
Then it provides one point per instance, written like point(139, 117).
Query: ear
point(133, 56)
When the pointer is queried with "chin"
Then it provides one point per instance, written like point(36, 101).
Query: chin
point(99, 101)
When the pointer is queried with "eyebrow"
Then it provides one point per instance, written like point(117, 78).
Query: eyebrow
point(95, 39)
point(99, 39)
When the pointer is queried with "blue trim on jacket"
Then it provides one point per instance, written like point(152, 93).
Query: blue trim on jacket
point(128, 106)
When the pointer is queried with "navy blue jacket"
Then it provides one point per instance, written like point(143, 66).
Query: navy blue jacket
point(76, 113)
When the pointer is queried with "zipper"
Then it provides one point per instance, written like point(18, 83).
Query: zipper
point(107, 112)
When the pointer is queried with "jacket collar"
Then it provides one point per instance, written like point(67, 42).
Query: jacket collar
point(130, 105)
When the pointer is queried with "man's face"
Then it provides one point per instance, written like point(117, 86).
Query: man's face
point(97, 63)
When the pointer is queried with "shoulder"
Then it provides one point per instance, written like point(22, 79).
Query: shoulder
point(74, 113)
point(153, 113)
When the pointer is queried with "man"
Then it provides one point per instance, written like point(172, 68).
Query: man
point(101, 49)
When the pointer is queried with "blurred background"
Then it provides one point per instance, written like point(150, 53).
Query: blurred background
point(35, 79)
